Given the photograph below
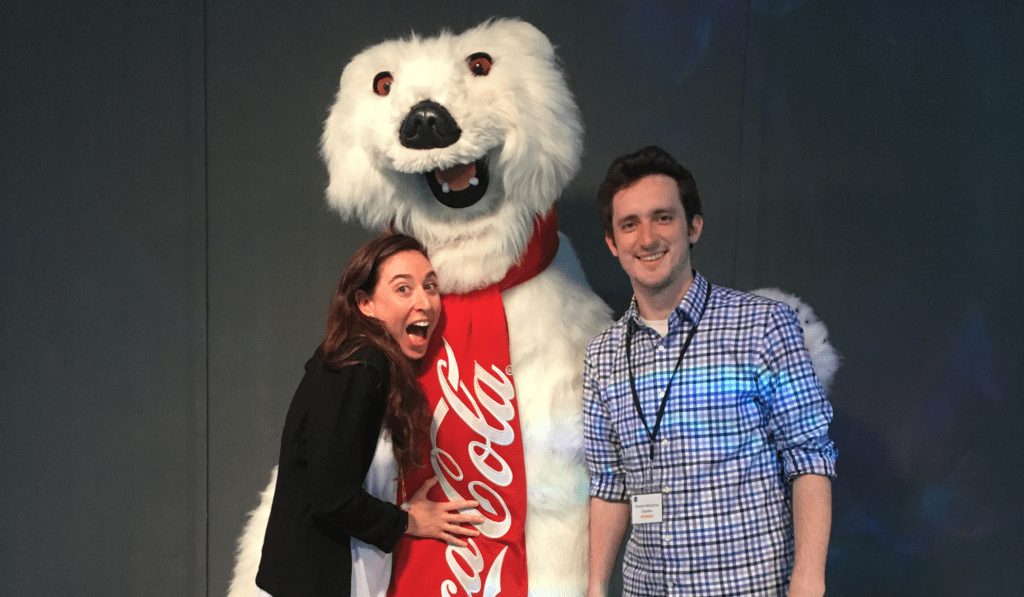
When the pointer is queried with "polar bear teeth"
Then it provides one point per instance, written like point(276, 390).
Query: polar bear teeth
point(456, 178)
point(459, 186)
point(446, 188)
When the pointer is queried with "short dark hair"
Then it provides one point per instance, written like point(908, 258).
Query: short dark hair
point(629, 168)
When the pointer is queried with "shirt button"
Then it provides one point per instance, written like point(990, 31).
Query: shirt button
point(664, 442)
point(666, 538)
point(666, 489)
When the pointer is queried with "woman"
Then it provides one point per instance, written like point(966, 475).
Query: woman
point(350, 425)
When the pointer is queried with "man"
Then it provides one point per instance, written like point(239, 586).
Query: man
point(704, 423)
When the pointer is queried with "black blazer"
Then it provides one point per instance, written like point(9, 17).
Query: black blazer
point(330, 435)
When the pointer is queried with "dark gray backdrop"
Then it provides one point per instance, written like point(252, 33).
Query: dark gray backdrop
point(167, 254)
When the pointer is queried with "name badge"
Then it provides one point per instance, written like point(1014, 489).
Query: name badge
point(646, 508)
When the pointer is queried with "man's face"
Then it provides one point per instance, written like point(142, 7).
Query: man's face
point(650, 235)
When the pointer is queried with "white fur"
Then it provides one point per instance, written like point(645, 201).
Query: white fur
point(547, 346)
point(250, 544)
point(824, 357)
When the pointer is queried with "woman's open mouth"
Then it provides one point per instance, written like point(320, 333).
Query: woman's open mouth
point(418, 331)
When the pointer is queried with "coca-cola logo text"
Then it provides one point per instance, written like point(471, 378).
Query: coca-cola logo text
point(488, 411)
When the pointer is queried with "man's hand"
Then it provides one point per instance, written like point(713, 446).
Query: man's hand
point(800, 586)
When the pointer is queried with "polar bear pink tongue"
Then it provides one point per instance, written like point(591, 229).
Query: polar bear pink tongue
point(457, 177)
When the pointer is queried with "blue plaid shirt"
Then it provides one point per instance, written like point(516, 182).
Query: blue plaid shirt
point(745, 414)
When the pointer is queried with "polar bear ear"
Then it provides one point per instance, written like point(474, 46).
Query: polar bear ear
point(511, 26)
point(824, 357)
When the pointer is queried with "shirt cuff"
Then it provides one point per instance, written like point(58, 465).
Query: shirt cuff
point(818, 460)
point(611, 488)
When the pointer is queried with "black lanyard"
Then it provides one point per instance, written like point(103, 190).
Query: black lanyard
point(653, 435)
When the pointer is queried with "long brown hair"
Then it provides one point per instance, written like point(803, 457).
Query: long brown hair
point(405, 415)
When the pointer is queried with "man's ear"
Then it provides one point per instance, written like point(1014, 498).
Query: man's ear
point(695, 228)
point(610, 241)
point(365, 303)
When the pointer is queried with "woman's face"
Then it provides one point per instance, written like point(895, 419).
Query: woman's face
point(406, 300)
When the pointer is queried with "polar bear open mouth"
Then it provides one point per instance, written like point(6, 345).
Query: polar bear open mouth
point(461, 185)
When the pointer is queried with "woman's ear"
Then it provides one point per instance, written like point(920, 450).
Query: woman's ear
point(365, 303)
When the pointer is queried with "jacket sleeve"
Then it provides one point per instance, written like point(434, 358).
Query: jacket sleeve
point(346, 411)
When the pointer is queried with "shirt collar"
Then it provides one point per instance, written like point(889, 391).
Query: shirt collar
point(691, 307)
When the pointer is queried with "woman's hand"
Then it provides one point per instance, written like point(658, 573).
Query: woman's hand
point(440, 520)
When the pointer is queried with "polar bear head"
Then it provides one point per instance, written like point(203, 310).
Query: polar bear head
point(459, 140)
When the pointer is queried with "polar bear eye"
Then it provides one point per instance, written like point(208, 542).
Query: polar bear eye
point(382, 83)
point(480, 64)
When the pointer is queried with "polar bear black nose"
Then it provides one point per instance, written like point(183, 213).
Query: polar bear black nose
point(428, 126)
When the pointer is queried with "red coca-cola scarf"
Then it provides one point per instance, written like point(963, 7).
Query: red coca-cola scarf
point(476, 446)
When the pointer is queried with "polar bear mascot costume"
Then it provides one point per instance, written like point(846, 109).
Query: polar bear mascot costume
point(464, 142)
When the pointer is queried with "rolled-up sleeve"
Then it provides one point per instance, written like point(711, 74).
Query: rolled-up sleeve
point(799, 412)
point(604, 462)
